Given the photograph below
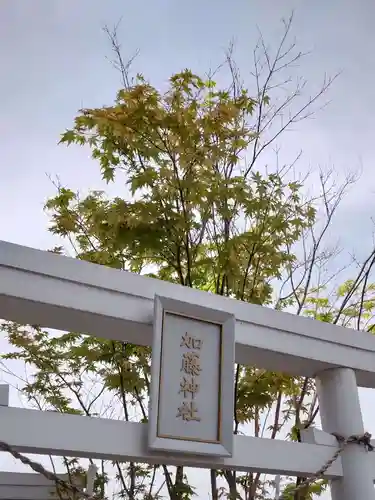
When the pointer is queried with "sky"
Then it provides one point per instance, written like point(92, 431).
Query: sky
point(54, 60)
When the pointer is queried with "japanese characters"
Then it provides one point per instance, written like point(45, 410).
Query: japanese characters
point(189, 384)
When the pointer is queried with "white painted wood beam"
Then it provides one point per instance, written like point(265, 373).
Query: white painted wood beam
point(67, 294)
point(317, 436)
point(33, 431)
point(13, 492)
point(29, 486)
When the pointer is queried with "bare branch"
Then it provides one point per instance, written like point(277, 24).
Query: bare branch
point(119, 63)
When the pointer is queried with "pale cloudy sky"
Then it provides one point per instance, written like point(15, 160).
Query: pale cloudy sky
point(53, 61)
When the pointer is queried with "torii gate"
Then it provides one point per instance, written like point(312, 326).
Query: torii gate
point(42, 288)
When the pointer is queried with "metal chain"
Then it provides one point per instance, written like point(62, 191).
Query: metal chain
point(364, 440)
point(37, 467)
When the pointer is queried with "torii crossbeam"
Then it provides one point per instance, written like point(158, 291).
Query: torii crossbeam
point(58, 292)
point(26, 486)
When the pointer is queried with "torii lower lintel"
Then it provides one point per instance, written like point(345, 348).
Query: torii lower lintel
point(43, 432)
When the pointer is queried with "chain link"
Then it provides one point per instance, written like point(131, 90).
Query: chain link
point(364, 440)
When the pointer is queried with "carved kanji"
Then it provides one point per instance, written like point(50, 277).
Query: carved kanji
point(191, 363)
point(188, 386)
point(191, 342)
point(188, 411)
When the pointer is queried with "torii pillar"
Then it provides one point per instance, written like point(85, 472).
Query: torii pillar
point(340, 413)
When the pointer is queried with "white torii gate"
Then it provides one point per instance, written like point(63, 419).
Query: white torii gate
point(67, 294)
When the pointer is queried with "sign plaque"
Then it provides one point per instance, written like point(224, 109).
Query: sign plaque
point(192, 379)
